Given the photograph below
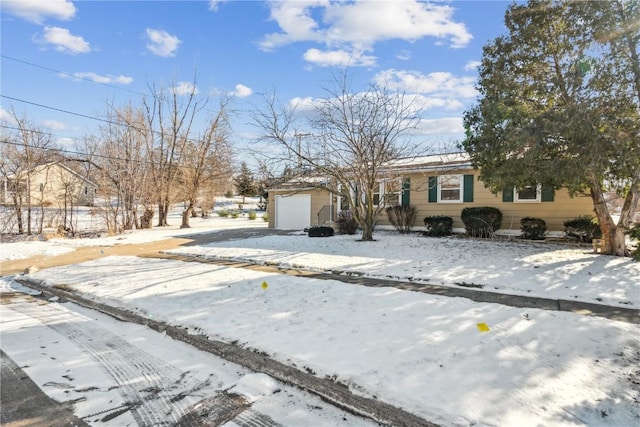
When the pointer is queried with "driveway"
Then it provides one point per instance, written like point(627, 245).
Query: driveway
point(87, 253)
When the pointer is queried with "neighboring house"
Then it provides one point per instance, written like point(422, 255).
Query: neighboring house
point(436, 185)
point(51, 184)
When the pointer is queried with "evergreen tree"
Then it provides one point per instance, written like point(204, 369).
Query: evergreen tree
point(560, 105)
point(245, 182)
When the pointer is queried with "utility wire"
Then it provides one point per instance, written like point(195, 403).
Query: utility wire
point(111, 122)
point(31, 64)
point(93, 155)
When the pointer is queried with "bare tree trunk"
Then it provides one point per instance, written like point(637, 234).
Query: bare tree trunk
point(161, 215)
point(613, 236)
point(18, 209)
point(186, 214)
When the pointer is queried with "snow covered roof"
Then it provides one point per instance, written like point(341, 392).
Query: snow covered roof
point(432, 163)
point(445, 161)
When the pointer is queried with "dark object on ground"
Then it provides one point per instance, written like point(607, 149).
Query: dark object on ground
point(321, 231)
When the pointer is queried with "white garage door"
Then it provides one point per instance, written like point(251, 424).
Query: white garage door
point(293, 212)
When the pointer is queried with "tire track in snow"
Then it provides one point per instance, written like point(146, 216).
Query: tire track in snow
point(146, 383)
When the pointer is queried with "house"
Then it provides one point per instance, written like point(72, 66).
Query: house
point(436, 185)
point(49, 184)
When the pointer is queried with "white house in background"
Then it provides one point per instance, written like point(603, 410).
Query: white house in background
point(50, 184)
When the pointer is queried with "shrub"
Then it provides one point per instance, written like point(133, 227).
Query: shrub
point(481, 221)
point(223, 213)
point(533, 228)
point(438, 226)
point(234, 214)
point(634, 233)
point(229, 194)
point(346, 223)
point(401, 217)
point(265, 217)
point(584, 228)
point(252, 215)
point(320, 231)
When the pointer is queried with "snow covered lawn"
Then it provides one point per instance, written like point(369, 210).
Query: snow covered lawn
point(428, 354)
point(511, 267)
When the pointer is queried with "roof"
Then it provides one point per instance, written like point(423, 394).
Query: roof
point(435, 162)
point(432, 163)
point(44, 166)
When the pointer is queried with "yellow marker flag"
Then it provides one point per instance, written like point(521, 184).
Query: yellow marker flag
point(264, 285)
point(482, 327)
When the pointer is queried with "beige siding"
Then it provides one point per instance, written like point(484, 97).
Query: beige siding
point(554, 213)
point(51, 183)
point(319, 199)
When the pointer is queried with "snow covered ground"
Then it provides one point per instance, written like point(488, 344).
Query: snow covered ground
point(449, 360)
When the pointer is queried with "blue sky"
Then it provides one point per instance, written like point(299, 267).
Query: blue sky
point(79, 56)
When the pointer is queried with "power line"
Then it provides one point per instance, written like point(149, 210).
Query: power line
point(111, 122)
point(59, 110)
point(42, 67)
point(93, 155)
point(31, 64)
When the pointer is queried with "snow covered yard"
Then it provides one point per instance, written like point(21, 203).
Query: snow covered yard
point(424, 353)
point(428, 354)
point(512, 267)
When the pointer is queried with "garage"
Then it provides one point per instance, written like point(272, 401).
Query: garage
point(293, 212)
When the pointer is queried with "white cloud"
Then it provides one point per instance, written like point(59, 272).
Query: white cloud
point(428, 102)
point(6, 117)
point(162, 43)
point(242, 91)
point(38, 11)
point(404, 55)
point(53, 125)
point(359, 25)
point(213, 4)
point(341, 58)
point(442, 126)
point(185, 88)
point(63, 41)
point(440, 84)
point(472, 65)
point(303, 104)
point(104, 79)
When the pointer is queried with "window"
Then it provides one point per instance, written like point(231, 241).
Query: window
point(528, 194)
point(390, 191)
point(450, 188)
point(343, 201)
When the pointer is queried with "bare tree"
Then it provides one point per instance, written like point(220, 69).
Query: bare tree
point(123, 168)
point(207, 161)
point(22, 151)
point(354, 136)
point(169, 114)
